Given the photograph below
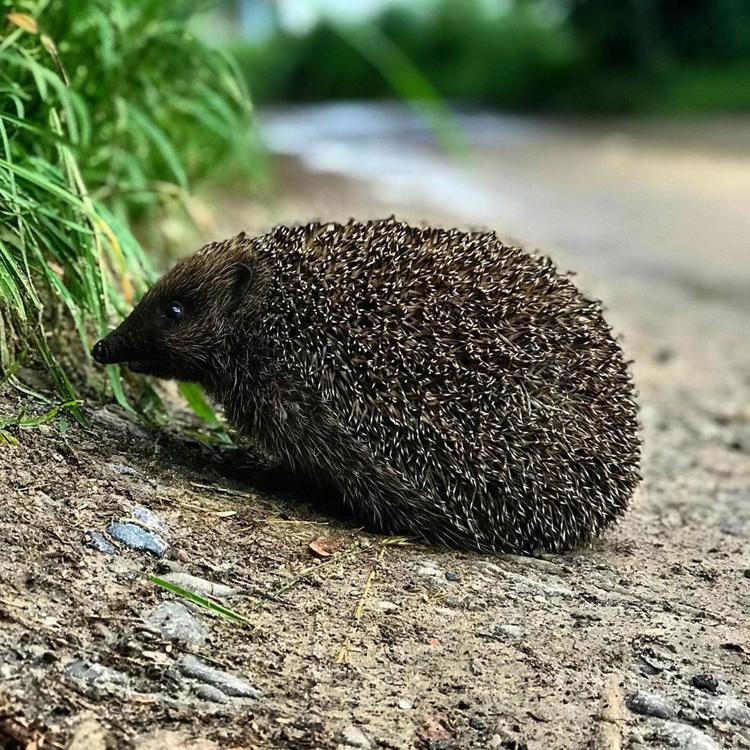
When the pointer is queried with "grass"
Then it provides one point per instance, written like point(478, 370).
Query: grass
point(209, 605)
point(109, 112)
point(24, 422)
point(218, 609)
point(405, 80)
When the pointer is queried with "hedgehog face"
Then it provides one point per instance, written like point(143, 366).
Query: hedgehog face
point(180, 327)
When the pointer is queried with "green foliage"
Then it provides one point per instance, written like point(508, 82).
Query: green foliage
point(570, 55)
point(209, 605)
point(21, 421)
point(109, 109)
point(465, 51)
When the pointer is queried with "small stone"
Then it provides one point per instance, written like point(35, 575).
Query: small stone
point(228, 683)
point(651, 704)
point(436, 576)
point(116, 421)
point(200, 586)
point(706, 682)
point(174, 621)
point(123, 470)
point(730, 709)
point(508, 632)
point(429, 571)
point(405, 705)
point(451, 576)
point(384, 606)
point(137, 538)
point(746, 572)
point(211, 694)
point(355, 737)
point(686, 737)
point(97, 541)
point(146, 517)
point(95, 674)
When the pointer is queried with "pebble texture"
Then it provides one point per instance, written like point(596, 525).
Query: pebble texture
point(137, 538)
point(174, 621)
point(651, 704)
point(97, 541)
point(229, 684)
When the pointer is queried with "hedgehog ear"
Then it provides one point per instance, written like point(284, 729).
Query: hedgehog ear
point(242, 278)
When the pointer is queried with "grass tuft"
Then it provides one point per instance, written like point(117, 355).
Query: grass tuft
point(109, 111)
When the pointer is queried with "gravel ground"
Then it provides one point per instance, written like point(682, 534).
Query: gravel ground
point(356, 641)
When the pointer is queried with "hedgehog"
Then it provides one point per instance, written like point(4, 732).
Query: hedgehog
point(447, 386)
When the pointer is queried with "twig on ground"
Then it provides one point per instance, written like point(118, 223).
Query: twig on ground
point(343, 652)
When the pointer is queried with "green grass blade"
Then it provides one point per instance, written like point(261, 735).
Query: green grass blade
point(207, 604)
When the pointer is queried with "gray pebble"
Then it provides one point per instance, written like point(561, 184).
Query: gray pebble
point(384, 606)
point(354, 737)
point(115, 420)
point(211, 694)
point(726, 708)
point(706, 682)
point(96, 541)
point(137, 538)
point(229, 684)
point(651, 704)
point(95, 674)
point(148, 518)
point(126, 471)
point(451, 576)
point(427, 569)
point(508, 632)
point(686, 737)
point(174, 621)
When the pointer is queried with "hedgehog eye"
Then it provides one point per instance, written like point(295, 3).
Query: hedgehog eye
point(174, 311)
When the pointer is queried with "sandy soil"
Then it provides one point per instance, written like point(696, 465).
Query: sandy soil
point(353, 640)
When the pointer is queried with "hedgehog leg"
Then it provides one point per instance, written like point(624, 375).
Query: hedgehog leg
point(310, 440)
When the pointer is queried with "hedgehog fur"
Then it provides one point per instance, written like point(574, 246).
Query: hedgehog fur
point(450, 387)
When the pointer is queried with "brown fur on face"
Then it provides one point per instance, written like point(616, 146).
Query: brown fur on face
point(450, 387)
point(212, 288)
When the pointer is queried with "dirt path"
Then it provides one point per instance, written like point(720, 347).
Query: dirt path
point(393, 646)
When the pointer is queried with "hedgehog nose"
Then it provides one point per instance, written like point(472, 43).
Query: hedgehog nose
point(100, 352)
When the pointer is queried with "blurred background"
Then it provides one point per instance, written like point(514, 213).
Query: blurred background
point(585, 56)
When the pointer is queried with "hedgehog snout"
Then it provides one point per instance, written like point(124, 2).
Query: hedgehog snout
point(115, 347)
point(100, 352)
